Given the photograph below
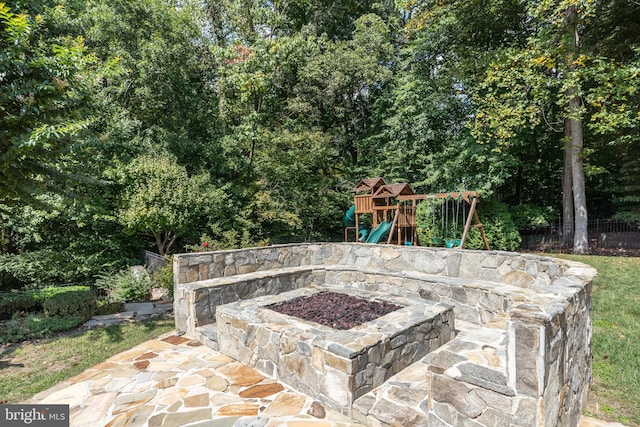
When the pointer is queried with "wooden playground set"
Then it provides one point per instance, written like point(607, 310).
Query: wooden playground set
point(393, 210)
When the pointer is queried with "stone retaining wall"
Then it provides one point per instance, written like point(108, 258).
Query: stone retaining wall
point(543, 306)
point(504, 267)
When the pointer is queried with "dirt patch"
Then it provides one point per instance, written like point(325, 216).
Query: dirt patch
point(605, 405)
point(333, 309)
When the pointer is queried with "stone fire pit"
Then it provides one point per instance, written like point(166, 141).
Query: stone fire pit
point(483, 338)
point(333, 366)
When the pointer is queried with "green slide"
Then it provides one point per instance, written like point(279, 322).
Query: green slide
point(349, 218)
point(379, 232)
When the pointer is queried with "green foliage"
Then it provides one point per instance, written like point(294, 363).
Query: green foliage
point(528, 217)
point(42, 294)
point(161, 199)
point(69, 242)
point(125, 286)
point(430, 227)
point(13, 302)
point(47, 79)
point(74, 304)
point(35, 325)
point(158, 98)
point(31, 300)
point(498, 226)
point(440, 220)
point(163, 278)
point(261, 123)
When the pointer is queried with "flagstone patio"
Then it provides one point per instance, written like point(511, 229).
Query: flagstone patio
point(176, 381)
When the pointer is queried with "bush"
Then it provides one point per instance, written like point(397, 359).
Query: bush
point(498, 226)
point(42, 294)
point(29, 326)
point(80, 304)
point(53, 266)
point(14, 302)
point(531, 217)
point(163, 278)
point(125, 286)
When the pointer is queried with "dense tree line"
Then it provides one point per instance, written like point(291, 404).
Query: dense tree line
point(167, 124)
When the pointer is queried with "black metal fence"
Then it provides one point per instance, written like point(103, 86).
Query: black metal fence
point(603, 234)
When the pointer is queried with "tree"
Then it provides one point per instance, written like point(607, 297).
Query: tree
point(339, 84)
point(538, 84)
point(69, 241)
point(46, 83)
point(162, 97)
point(420, 127)
point(575, 133)
point(299, 93)
point(161, 200)
point(547, 81)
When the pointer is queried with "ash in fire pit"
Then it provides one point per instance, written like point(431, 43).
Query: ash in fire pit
point(333, 309)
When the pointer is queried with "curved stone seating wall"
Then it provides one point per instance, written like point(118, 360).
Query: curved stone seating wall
point(532, 313)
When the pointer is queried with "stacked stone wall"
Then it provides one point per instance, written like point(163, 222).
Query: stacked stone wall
point(520, 270)
point(542, 306)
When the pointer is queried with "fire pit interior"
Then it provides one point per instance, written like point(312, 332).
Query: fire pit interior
point(335, 309)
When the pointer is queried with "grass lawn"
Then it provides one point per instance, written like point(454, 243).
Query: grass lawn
point(31, 367)
point(615, 388)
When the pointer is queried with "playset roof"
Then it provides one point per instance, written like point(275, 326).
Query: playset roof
point(393, 190)
point(368, 185)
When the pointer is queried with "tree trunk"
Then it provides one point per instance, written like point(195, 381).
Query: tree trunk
point(581, 235)
point(159, 242)
point(567, 192)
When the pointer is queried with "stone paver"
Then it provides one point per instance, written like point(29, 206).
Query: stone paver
point(184, 384)
point(225, 393)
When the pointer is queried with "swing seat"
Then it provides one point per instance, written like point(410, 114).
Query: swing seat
point(452, 243)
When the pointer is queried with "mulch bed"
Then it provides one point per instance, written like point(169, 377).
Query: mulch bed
point(333, 309)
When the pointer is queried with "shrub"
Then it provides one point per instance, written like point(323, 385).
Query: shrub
point(14, 302)
point(125, 286)
point(42, 294)
point(163, 278)
point(29, 326)
point(51, 266)
point(531, 217)
point(81, 304)
point(498, 226)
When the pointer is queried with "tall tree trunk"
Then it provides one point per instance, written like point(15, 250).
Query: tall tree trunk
point(581, 235)
point(567, 191)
